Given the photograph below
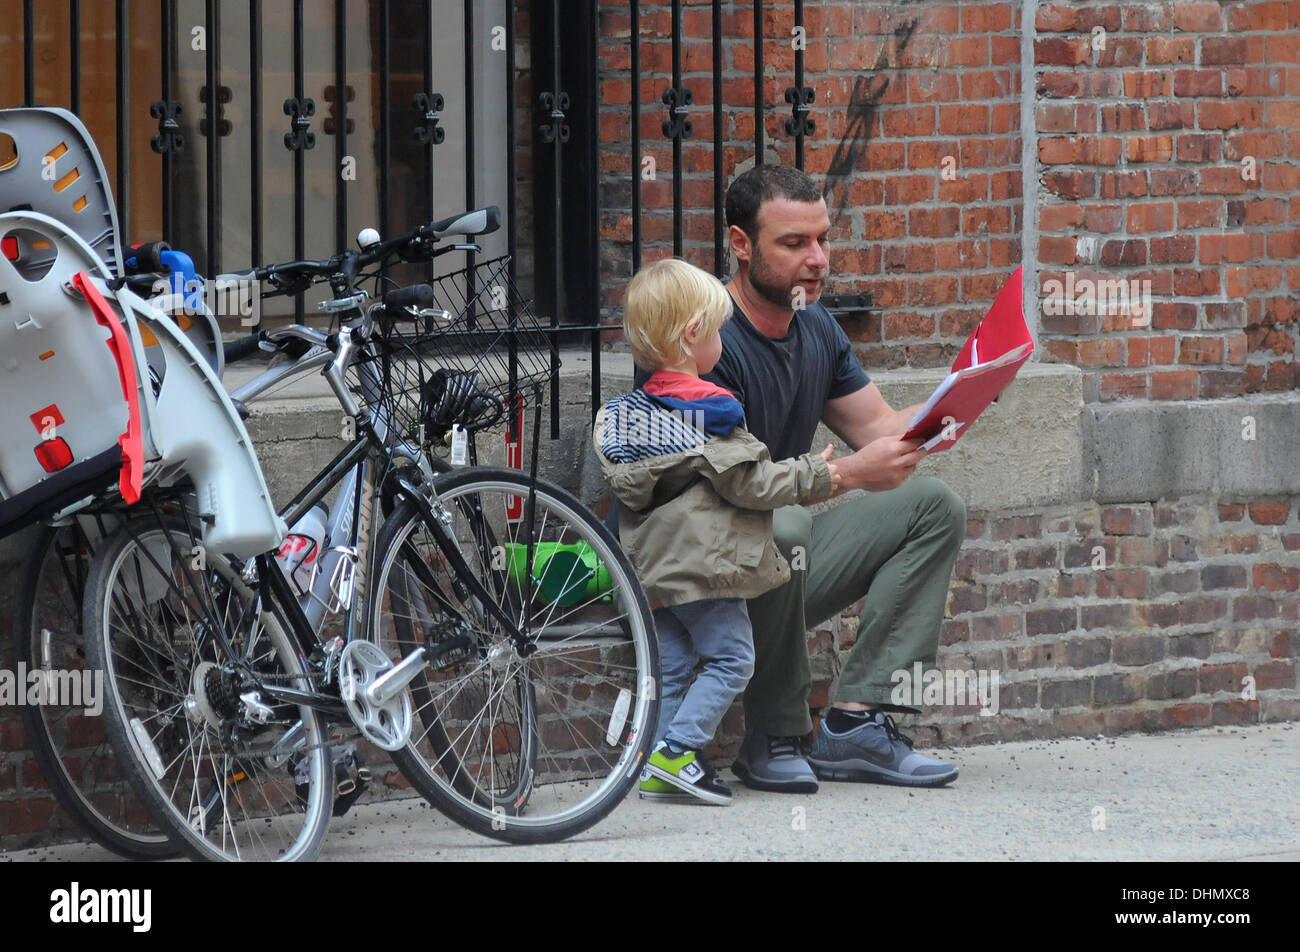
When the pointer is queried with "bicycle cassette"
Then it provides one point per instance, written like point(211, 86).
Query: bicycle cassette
point(387, 725)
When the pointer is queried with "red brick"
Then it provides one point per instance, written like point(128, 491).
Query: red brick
point(1149, 148)
point(1198, 147)
point(25, 816)
point(1170, 50)
point(1055, 17)
point(1272, 577)
point(1156, 216)
point(1253, 607)
point(1122, 117)
point(1223, 50)
point(1062, 51)
point(1060, 217)
point(1120, 51)
point(1269, 513)
point(1070, 185)
point(1227, 115)
point(1134, 650)
point(1198, 82)
point(1275, 674)
point(1247, 544)
point(1122, 583)
point(1257, 16)
point(1199, 17)
point(1221, 677)
point(1175, 249)
point(1148, 85)
point(1174, 385)
point(1200, 350)
point(1185, 715)
point(1201, 610)
point(1235, 712)
point(1231, 512)
point(1149, 352)
point(1121, 385)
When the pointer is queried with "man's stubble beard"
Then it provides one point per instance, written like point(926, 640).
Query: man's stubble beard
point(780, 295)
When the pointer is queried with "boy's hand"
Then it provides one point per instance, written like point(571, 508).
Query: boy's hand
point(835, 470)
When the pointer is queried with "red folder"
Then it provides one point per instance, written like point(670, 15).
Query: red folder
point(990, 359)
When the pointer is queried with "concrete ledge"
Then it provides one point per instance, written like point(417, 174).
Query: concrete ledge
point(1024, 450)
point(1143, 452)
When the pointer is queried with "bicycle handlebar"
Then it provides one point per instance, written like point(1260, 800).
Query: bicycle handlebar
point(417, 296)
point(293, 276)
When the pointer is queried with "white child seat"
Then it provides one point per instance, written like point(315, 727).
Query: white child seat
point(72, 364)
point(57, 171)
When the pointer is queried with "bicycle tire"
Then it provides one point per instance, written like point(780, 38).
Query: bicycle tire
point(571, 745)
point(220, 783)
point(48, 636)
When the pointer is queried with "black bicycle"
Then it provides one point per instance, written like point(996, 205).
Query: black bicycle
point(492, 635)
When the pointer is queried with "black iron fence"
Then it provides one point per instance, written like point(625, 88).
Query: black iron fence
point(253, 132)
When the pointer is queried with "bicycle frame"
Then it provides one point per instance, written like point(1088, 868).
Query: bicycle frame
point(348, 470)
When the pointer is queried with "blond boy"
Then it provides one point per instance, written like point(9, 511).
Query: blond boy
point(696, 494)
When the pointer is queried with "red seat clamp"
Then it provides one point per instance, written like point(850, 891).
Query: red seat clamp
point(132, 441)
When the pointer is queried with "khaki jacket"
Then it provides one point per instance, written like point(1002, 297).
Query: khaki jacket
point(697, 524)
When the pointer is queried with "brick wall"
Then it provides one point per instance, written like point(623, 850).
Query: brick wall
point(1165, 149)
point(1172, 156)
point(1194, 596)
point(899, 89)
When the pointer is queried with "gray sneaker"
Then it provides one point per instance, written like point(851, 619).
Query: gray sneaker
point(876, 753)
point(773, 763)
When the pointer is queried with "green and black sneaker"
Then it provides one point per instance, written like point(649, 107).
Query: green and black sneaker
point(652, 788)
point(669, 775)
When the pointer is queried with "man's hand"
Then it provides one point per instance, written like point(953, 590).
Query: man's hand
point(882, 464)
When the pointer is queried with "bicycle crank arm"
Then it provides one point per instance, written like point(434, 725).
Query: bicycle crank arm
point(395, 679)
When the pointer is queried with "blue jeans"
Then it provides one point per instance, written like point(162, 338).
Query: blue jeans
point(717, 631)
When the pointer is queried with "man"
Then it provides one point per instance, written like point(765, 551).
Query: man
point(791, 365)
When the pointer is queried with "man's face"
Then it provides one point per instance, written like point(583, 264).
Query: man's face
point(788, 263)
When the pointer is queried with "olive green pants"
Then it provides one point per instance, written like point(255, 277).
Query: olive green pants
point(897, 549)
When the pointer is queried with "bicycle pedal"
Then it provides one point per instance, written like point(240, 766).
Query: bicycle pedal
point(351, 777)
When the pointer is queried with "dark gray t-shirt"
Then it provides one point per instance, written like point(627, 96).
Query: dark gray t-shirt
point(784, 383)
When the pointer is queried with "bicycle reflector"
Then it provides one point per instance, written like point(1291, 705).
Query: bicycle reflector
point(54, 455)
point(10, 248)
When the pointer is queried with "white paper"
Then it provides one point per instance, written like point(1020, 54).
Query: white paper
point(935, 397)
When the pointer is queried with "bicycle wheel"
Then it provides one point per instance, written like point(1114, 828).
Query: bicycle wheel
point(525, 746)
point(70, 744)
point(228, 772)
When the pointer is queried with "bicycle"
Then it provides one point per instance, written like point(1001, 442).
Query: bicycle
point(216, 685)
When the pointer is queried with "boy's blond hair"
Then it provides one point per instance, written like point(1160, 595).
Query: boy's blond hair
point(663, 300)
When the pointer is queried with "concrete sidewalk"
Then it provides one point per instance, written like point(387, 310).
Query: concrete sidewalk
point(1215, 794)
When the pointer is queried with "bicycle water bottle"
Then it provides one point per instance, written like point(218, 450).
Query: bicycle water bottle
point(302, 547)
